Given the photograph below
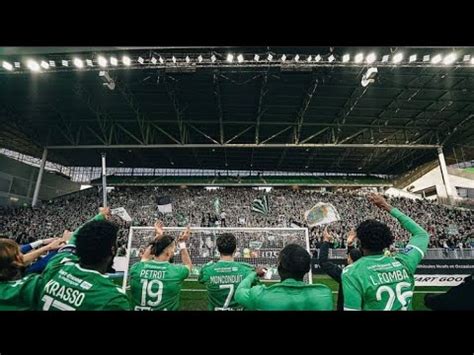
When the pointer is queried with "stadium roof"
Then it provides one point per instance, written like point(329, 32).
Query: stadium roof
point(193, 107)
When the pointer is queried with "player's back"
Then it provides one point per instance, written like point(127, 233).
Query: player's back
point(19, 295)
point(156, 285)
point(385, 282)
point(69, 287)
point(292, 295)
point(222, 279)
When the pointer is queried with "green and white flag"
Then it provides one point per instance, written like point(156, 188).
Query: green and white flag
point(260, 205)
point(217, 205)
point(321, 214)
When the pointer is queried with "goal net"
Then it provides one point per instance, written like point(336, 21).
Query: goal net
point(256, 246)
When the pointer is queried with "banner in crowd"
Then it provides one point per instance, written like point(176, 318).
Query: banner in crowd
point(122, 213)
point(260, 205)
point(321, 213)
point(164, 204)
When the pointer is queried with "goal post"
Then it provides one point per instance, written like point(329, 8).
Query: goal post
point(256, 246)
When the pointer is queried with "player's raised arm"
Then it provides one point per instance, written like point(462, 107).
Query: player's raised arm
point(104, 214)
point(418, 243)
point(183, 250)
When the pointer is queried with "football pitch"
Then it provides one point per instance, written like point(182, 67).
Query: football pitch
point(194, 295)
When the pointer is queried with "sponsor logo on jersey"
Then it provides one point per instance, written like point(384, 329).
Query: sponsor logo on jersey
point(407, 249)
point(85, 285)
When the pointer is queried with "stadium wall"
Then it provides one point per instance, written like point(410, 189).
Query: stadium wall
point(434, 179)
point(17, 183)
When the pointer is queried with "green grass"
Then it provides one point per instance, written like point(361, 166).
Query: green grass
point(194, 296)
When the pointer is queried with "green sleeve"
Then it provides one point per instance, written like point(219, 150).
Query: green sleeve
point(98, 217)
point(203, 275)
point(183, 272)
point(243, 294)
point(352, 293)
point(418, 243)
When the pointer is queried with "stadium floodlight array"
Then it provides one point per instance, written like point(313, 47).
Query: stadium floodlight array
point(256, 246)
point(128, 61)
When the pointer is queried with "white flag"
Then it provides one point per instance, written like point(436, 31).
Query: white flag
point(322, 213)
point(122, 213)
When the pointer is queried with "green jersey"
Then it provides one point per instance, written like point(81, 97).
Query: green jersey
point(69, 287)
point(156, 285)
point(222, 279)
point(381, 282)
point(288, 295)
point(20, 295)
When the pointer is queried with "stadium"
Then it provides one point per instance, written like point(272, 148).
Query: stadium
point(276, 146)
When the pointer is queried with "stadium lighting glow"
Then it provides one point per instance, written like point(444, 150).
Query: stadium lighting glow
point(309, 58)
point(161, 59)
point(397, 58)
point(472, 61)
point(346, 58)
point(89, 62)
point(269, 57)
point(52, 63)
point(240, 58)
point(78, 63)
point(33, 66)
point(200, 59)
point(412, 58)
point(153, 60)
point(426, 58)
point(44, 65)
point(359, 58)
point(449, 59)
point(187, 59)
point(385, 58)
point(436, 59)
point(64, 63)
point(113, 61)
point(317, 58)
point(173, 58)
point(297, 58)
point(230, 58)
point(213, 58)
point(371, 58)
point(283, 58)
point(7, 66)
point(17, 64)
point(256, 57)
point(126, 60)
point(467, 58)
point(140, 60)
point(331, 58)
point(102, 61)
